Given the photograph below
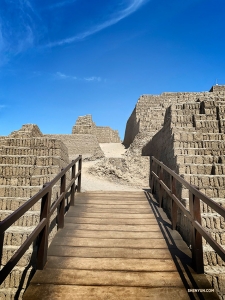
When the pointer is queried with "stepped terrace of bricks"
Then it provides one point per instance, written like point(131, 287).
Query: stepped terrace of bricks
point(186, 131)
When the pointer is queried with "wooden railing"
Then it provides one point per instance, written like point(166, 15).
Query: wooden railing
point(158, 173)
point(41, 232)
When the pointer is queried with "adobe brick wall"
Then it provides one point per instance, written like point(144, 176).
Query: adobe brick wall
point(148, 114)
point(104, 134)
point(79, 144)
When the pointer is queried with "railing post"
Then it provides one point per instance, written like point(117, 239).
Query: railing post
point(42, 247)
point(151, 176)
point(62, 203)
point(73, 185)
point(79, 177)
point(160, 187)
point(174, 205)
point(196, 238)
point(2, 235)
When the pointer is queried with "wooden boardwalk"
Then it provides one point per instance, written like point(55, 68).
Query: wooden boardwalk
point(114, 246)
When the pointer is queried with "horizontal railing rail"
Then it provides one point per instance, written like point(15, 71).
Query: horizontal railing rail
point(41, 231)
point(158, 170)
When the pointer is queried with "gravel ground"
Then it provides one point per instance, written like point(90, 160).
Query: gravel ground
point(92, 183)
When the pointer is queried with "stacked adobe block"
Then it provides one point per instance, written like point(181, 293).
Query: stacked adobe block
point(27, 161)
point(85, 125)
point(191, 142)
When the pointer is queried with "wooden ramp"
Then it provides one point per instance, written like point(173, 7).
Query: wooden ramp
point(111, 247)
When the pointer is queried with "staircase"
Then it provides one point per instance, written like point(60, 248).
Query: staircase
point(199, 148)
point(27, 161)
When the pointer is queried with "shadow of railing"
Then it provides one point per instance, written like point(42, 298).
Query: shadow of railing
point(181, 257)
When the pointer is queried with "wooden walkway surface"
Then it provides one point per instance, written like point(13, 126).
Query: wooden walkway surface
point(113, 246)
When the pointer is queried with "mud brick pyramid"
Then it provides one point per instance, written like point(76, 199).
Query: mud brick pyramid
point(27, 161)
point(104, 134)
point(187, 132)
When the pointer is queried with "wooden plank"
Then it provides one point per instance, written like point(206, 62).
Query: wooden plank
point(108, 252)
point(99, 221)
point(108, 215)
point(112, 227)
point(119, 243)
point(122, 264)
point(114, 206)
point(94, 277)
point(111, 248)
point(111, 201)
point(69, 292)
point(110, 234)
point(114, 210)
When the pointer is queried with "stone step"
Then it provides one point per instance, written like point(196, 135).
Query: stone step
point(200, 159)
point(15, 279)
point(200, 144)
point(16, 235)
point(11, 293)
point(182, 118)
point(29, 160)
point(30, 218)
point(37, 142)
point(199, 151)
point(211, 258)
point(205, 169)
point(188, 125)
point(209, 191)
point(12, 203)
point(27, 171)
point(183, 111)
point(27, 151)
point(183, 129)
point(197, 136)
point(209, 103)
point(205, 208)
point(19, 191)
point(9, 251)
point(38, 180)
point(209, 124)
point(202, 180)
point(204, 117)
point(214, 224)
point(193, 105)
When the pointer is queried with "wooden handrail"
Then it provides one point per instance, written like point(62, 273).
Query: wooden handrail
point(193, 214)
point(41, 231)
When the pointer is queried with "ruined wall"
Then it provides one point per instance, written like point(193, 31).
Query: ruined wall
point(132, 129)
point(192, 142)
point(27, 161)
point(79, 144)
point(150, 111)
point(85, 125)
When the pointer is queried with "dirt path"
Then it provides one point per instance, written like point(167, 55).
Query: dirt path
point(93, 183)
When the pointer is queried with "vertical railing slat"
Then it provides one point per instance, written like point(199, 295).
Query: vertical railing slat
point(61, 209)
point(174, 205)
point(160, 188)
point(72, 199)
point(196, 238)
point(42, 247)
point(79, 177)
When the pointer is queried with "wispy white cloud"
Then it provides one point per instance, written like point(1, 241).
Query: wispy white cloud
point(60, 75)
point(19, 28)
point(60, 4)
point(93, 78)
point(115, 18)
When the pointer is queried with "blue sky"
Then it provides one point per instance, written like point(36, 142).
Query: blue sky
point(60, 59)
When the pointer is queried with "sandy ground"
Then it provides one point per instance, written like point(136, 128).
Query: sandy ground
point(92, 183)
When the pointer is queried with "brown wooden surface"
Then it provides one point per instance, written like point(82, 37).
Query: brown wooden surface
point(116, 246)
